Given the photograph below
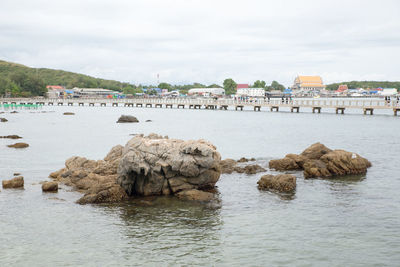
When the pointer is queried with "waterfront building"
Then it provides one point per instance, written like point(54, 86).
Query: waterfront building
point(93, 92)
point(207, 91)
point(253, 92)
point(241, 86)
point(388, 92)
point(308, 84)
point(55, 91)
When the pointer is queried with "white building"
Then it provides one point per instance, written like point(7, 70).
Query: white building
point(388, 91)
point(253, 92)
point(93, 92)
point(207, 91)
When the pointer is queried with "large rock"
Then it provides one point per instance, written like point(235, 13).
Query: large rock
point(155, 165)
point(320, 161)
point(284, 183)
point(16, 182)
point(19, 145)
point(127, 118)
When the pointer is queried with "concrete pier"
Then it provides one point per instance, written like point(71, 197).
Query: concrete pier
point(340, 110)
point(316, 109)
point(292, 109)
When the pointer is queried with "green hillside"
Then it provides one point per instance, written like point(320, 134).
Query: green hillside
point(365, 84)
point(20, 80)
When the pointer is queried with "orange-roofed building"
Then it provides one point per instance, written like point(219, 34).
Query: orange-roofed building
point(55, 87)
point(308, 83)
point(342, 88)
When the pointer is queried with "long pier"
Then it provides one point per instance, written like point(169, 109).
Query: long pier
point(367, 106)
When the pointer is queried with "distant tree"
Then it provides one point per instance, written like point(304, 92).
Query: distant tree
point(165, 86)
point(214, 86)
point(277, 86)
point(229, 86)
point(259, 84)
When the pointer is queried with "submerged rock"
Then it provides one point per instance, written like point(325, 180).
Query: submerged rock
point(19, 145)
point(154, 165)
point(320, 161)
point(50, 187)
point(284, 183)
point(16, 182)
point(14, 136)
point(68, 113)
point(250, 169)
point(127, 119)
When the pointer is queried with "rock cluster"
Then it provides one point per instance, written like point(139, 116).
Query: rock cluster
point(147, 165)
point(95, 178)
point(156, 165)
point(16, 182)
point(19, 145)
point(127, 118)
point(284, 183)
point(320, 161)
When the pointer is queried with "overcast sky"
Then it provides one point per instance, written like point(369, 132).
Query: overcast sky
point(205, 41)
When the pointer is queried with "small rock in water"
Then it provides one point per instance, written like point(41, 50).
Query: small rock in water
point(16, 174)
point(19, 145)
point(14, 136)
point(148, 120)
point(127, 119)
point(3, 120)
point(68, 113)
point(50, 187)
point(284, 183)
point(14, 111)
point(16, 182)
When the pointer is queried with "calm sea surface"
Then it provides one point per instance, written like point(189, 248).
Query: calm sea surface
point(351, 221)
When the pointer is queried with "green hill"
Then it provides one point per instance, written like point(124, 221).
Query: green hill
point(365, 84)
point(20, 80)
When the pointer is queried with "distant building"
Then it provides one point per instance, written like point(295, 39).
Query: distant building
point(253, 92)
point(55, 91)
point(207, 91)
point(342, 88)
point(93, 92)
point(308, 84)
point(388, 92)
point(55, 87)
point(241, 85)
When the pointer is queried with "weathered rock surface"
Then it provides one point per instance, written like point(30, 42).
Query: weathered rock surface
point(320, 161)
point(13, 136)
point(127, 119)
point(250, 169)
point(19, 145)
point(3, 120)
point(194, 194)
point(284, 183)
point(155, 165)
point(50, 187)
point(68, 113)
point(16, 182)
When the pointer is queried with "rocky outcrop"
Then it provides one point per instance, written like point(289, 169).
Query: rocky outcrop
point(96, 179)
point(155, 165)
point(68, 113)
point(147, 165)
point(19, 145)
point(320, 161)
point(14, 136)
point(16, 182)
point(283, 183)
point(3, 120)
point(250, 169)
point(50, 187)
point(127, 119)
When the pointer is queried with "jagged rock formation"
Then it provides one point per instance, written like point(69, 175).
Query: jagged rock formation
point(320, 161)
